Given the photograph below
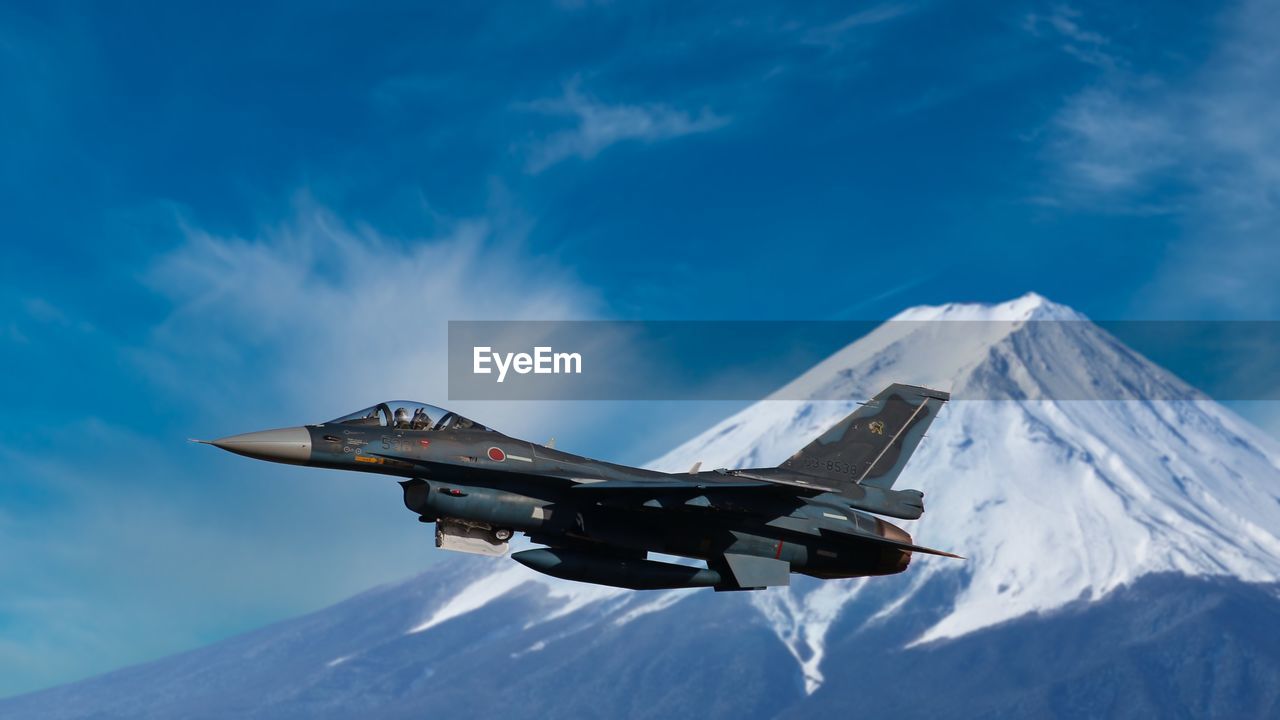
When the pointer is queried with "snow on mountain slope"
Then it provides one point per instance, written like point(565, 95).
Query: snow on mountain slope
point(1114, 512)
point(1051, 498)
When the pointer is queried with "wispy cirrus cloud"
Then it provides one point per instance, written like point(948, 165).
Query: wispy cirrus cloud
point(300, 321)
point(1065, 24)
point(1112, 138)
point(316, 293)
point(598, 125)
point(835, 34)
point(1200, 146)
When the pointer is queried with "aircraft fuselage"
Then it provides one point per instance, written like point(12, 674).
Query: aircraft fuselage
point(811, 515)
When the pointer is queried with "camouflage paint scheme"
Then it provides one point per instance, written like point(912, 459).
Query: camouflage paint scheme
point(815, 514)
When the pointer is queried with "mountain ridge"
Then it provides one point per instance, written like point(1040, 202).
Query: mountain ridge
point(1134, 503)
point(1157, 647)
point(1107, 511)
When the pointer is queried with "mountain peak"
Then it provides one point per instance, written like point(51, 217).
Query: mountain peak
point(1027, 347)
point(1031, 306)
point(1061, 469)
point(1058, 504)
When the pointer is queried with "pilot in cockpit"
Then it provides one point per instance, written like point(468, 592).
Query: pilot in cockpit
point(401, 418)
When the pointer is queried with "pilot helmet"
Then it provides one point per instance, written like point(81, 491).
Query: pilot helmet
point(402, 416)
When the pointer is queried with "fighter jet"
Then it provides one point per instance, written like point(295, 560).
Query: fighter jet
point(752, 527)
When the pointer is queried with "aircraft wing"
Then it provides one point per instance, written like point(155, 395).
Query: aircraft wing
point(618, 489)
point(623, 487)
point(716, 480)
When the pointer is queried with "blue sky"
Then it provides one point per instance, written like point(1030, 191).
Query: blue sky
point(222, 218)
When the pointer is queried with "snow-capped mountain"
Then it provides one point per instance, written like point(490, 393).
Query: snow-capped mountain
point(1123, 555)
point(1050, 499)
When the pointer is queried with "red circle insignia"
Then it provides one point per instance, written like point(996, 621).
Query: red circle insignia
point(496, 454)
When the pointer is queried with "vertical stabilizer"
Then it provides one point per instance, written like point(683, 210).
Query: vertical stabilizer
point(872, 445)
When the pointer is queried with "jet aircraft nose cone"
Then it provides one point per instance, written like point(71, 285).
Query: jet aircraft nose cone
point(288, 445)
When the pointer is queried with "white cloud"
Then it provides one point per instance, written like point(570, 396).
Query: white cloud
point(1111, 142)
point(599, 125)
point(158, 545)
point(1086, 45)
point(342, 315)
point(835, 35)
point(1202, 146)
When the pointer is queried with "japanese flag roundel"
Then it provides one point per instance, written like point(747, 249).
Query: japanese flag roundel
point(496, 454)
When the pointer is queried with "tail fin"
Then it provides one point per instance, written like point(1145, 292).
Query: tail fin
point(872, 445)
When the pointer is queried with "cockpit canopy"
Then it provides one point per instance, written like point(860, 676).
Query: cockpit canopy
point(408, 415)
